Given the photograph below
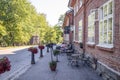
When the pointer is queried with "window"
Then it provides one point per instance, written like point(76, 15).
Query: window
point(74, 11)
point(76, 7)
point(91, 27)
point(106, 23)
point(80, 31)
point(80, 3)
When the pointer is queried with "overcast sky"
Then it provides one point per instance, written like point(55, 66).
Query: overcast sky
point(52, 8)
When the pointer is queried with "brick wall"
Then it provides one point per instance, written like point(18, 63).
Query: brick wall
point(109, 57)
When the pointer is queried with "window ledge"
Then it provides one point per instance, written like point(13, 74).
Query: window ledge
point(91, 44)
point(107, 47)
point(76, 42)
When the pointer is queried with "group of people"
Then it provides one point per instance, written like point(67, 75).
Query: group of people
point(65, 47)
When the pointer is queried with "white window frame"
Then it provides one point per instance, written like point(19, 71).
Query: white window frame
point(80, 3)
point(91, 24)
point(80, 31)
point(74, 10)
point(76, 7)
point(102, 19)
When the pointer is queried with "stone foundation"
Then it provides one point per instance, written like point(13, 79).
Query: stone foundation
point(103, 70)
point(106, 72)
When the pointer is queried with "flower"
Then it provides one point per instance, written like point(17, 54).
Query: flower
point(33, 50)
point(41, 47)
point(4, 65)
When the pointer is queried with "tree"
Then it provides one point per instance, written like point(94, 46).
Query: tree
point(60, 20)
point(58, 34)
point(20, 22)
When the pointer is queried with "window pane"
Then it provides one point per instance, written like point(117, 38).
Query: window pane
point(110, 31)
point(80, 35)
point(105, 38)
point(91, 19)
point(101, 38)
point(101, 26)
point(110, 8)
point(106, 22)
point(91, 33)
point(105, 10)
point(105, 31)
point(110, 37)
point(80, 30)
point(80, 3)
point(105, 26)
point(101, 13)
point(110, 24)
point(101, 32)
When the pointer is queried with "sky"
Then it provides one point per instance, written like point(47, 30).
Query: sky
point(52, 8)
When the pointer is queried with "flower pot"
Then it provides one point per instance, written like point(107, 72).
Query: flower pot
point(53, 65)
point(41, 48)
point(33, 51)
point(53, 68)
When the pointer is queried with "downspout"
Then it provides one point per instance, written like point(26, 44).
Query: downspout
point(84, 29)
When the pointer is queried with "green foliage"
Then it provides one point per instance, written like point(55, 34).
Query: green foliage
point(19, 21)
point(56, 52)
point(53, 63)
point(60, 20)
point(58, 34)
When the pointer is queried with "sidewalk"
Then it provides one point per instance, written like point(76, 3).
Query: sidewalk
point(41, 71)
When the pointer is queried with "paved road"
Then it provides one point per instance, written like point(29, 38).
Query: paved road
point(20, 60)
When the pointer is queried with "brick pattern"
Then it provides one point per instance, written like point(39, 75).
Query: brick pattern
point(109, 57)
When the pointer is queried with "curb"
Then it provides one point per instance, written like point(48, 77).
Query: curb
point(18, 72)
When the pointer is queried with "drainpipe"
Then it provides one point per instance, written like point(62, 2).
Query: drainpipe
point(84, 27)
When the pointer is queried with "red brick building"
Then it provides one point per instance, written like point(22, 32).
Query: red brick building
point(97, 27)
point(68, 27)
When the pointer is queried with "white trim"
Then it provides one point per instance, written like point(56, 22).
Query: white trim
point(80, 3)
point(105, 45)
point(91, 17)
point(107, 19)
point(91, 43)
point(80, 29)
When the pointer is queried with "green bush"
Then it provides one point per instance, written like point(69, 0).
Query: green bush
point(56, 52)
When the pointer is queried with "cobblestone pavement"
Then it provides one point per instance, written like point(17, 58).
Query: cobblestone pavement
point(20, 62)
point(41, 71)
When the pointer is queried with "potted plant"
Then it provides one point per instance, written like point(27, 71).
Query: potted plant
point(56, 53)
point(33, 50)
point(53, 65)
point(41, 47)
point(4, 65)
